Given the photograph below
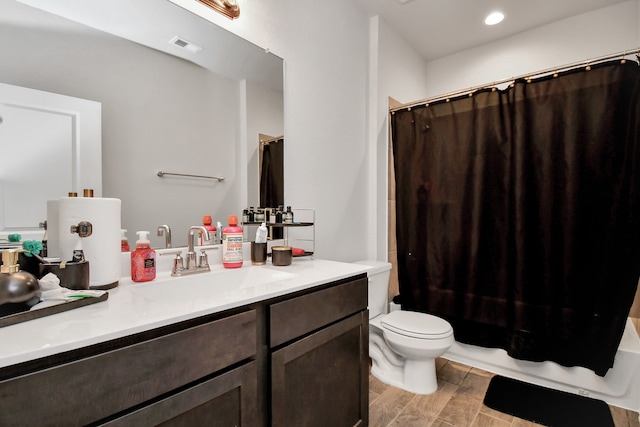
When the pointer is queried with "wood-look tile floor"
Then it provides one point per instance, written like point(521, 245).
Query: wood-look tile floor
point(457, 403)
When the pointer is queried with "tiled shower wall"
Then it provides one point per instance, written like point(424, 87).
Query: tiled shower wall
point(393, 253)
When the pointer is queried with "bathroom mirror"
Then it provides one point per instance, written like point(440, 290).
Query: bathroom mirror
point(178, 94)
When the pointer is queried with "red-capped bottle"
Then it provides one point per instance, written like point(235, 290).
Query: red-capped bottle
point(207, 223)
point(232, 244)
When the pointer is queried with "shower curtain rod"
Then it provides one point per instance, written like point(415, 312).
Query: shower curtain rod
point(469, 90)
point(267, 141)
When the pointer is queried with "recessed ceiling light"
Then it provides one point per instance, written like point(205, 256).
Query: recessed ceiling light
point(494, 18)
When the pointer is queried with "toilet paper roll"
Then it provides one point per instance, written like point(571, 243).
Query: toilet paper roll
point(102, 248)
point(53, 233)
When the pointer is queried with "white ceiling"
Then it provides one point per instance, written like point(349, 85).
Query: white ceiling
point(434, 28)
point(437, 28)
point(155, 23)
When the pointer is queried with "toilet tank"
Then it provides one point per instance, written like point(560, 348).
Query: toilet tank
point(378, 274)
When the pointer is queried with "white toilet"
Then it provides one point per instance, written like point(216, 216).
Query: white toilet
point(403, 345)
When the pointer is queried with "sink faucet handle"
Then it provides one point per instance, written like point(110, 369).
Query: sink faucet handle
point(203, 259)
point(178, 261)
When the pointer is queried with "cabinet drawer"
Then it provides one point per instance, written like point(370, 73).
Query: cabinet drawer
point(300, 315)
point(225, 400)
point(90, 389)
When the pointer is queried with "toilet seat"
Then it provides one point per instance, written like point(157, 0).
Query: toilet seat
point(417, 325)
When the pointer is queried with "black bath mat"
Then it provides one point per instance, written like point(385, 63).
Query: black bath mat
point(546, 406)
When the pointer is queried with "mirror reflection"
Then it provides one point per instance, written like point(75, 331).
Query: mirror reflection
point(271, 171)
point(164, 108)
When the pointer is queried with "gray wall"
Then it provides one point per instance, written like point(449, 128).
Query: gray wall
point(159, 113)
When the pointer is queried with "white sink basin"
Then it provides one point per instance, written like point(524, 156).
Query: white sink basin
point(203, 288)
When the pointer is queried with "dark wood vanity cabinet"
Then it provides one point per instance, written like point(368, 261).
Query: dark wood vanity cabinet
point(146, 379)
point(319, 358)
point(298, 360)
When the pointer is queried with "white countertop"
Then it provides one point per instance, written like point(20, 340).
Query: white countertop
point(137, 307)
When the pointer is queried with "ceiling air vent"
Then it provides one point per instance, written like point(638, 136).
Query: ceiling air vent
point(185, 44)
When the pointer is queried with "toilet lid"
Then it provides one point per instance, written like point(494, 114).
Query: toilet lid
point(417, 325)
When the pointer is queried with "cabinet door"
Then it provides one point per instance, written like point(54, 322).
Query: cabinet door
point(298, 316)
point(227, 400)
point(321, 380)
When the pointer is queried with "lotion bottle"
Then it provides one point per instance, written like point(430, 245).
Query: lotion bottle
point(143, 259)
point(232, 244)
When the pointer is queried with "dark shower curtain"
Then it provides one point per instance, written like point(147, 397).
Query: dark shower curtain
point(272, 174)
point(518, 213)
point(272, 180)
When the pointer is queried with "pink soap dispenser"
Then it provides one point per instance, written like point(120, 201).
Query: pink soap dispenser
point(143, 259)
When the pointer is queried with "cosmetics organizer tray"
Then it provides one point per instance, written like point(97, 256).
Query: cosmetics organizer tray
point(23, 316)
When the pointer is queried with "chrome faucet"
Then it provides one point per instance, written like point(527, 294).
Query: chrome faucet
point(192, 266)
point(164, 229)
point(191, 255)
